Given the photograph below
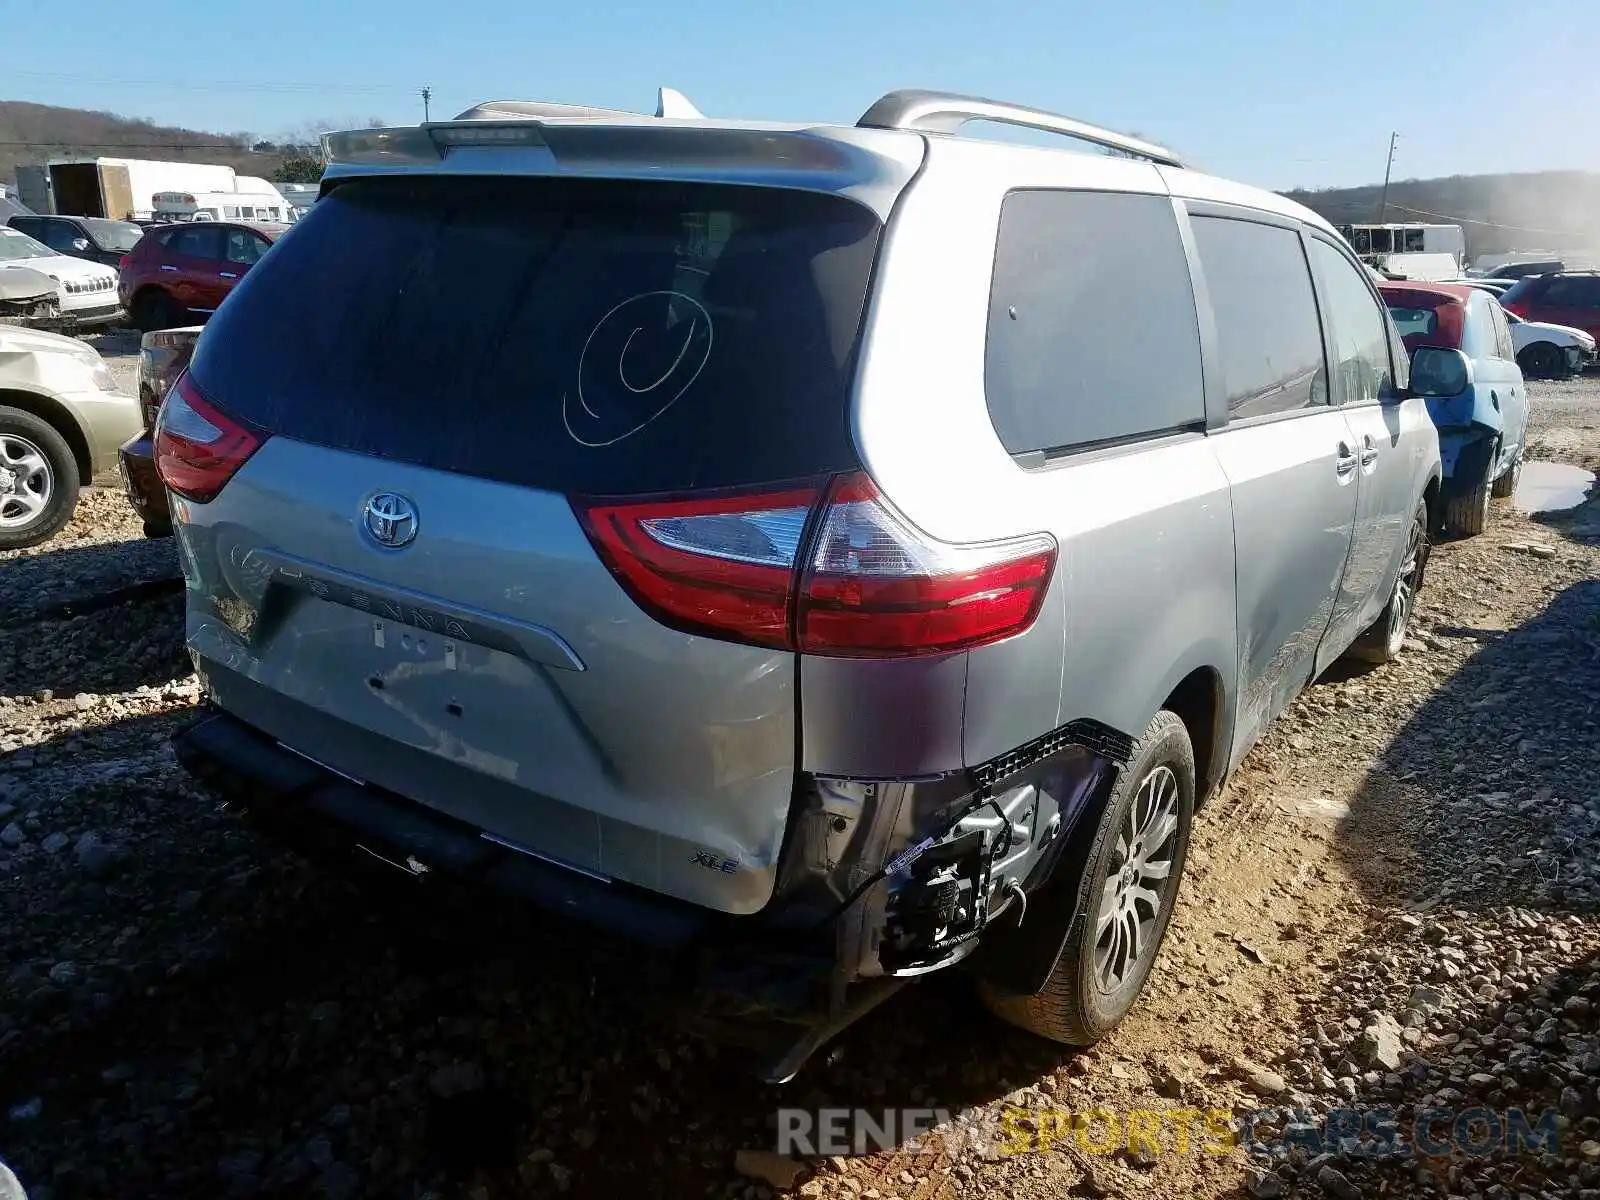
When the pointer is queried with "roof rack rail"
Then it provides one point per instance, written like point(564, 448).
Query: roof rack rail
point(944, 112)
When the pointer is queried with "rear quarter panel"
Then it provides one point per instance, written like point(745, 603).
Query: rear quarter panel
point(1143, 590)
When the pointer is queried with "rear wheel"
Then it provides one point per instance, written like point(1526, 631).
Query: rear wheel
point(1542, 360)
point(1125, 898)
point(1506, 485)
point(1381, 642)
point(38, 480)
point(153, 309)
point(1468, 514)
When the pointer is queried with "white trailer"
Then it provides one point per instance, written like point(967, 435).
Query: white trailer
point(121, 188)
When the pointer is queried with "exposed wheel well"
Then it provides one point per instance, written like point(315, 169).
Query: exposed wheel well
point(54, 414)
point(1198, 702)
point(1430, 499)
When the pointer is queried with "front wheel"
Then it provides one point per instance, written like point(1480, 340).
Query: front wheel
point(38, 480)
point(153, 309)
point(1381, 642)
point(1125, 898)
point(1542, 360)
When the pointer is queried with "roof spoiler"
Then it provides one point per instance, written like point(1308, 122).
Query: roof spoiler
point(670, 104)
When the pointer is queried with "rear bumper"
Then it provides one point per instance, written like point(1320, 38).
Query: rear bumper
point(136, 462)
point(331, 819)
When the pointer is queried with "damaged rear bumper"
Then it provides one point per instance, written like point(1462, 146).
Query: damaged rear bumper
point(881, 880)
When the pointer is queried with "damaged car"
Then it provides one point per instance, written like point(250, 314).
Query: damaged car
point(1480, 404)
point(840, 552)
point(85, 292)
point(29, 297)
point(61, 422)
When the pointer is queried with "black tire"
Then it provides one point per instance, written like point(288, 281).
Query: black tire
point(153, 309)
point(59, 486)
point(1542, 360)
point(1468, 514)
point(158, 527)
point(1075, 1006)
point(1381, 641)
point(1505, 487)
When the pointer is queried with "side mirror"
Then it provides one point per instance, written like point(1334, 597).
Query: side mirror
point(1439, 372)
point(80, 243)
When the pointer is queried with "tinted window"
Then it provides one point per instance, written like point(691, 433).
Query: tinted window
point(1360, 329)
point(244, 246)
point(59, 235)
point(197, 241)
point(1092, 328)
point(1415, 322)
point(1266, 314)
point(589, 336)
point(32, 226)
point(1573, 291)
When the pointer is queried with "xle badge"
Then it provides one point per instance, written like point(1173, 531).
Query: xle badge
point(704, 858)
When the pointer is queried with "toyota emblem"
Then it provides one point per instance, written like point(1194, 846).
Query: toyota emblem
point(391, 519)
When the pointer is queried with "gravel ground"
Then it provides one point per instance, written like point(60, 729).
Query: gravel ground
point(1393, 907)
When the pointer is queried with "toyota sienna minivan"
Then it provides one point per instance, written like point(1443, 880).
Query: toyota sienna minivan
point(844, 551)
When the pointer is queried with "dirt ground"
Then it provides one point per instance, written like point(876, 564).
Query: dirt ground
point(1391, 909)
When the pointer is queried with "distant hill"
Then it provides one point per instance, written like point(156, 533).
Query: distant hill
point(1554, 210)
point(37, 133)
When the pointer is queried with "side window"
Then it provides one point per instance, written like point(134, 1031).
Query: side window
point(1573, 291)
point(244, 247)
point(1504, 347)
point(1092, 329)
point(59, 235)
point(1360, 328)
point(1266, 313)
point(197, 242)
point(32, 226)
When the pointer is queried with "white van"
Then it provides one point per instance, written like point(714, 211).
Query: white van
point(223, 206)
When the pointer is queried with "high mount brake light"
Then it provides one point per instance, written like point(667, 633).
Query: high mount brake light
point(198, 447)
point(868, 584)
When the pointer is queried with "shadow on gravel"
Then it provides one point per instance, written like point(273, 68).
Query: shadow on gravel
point(82, 578)
point(237, 1022)
point(1495, 770)
point(109, 645)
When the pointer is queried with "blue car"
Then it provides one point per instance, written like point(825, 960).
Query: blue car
point(1481, 411)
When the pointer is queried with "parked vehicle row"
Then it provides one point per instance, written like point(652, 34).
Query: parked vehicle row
point(85, 292)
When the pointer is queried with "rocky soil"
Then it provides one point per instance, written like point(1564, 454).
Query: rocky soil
point(1392, 909)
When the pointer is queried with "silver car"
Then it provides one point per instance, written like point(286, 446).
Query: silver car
point(61, 421)
point(845, 550)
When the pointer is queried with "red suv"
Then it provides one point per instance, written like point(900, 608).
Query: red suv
point(1570, 298)
point(180, 273)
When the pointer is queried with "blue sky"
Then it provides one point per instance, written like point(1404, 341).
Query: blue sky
point(1279, 94)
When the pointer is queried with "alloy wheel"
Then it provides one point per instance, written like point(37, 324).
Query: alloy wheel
point(1139, 881)
point(26, 482)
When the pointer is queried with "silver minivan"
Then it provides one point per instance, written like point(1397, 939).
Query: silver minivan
point(845, 551)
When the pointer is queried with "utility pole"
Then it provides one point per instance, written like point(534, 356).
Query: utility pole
point(427, 94)
point(1383, 205)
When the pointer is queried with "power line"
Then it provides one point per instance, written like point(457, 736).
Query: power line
point(281, 86)
point(1422, 212)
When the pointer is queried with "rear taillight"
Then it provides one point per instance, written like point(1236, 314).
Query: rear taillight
point(867, 584)
point(1520, 307)
point(878, 587)
point(722, 566)
point(122, 263)
point(198, 446)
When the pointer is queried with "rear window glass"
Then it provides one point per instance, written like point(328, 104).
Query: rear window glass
point(1092, 328)
point(1414, 322)
point(601, 337)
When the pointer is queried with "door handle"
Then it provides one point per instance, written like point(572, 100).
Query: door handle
point(169, 268)
point(1369, 452)
point(1344, 463)
point(227, 275)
